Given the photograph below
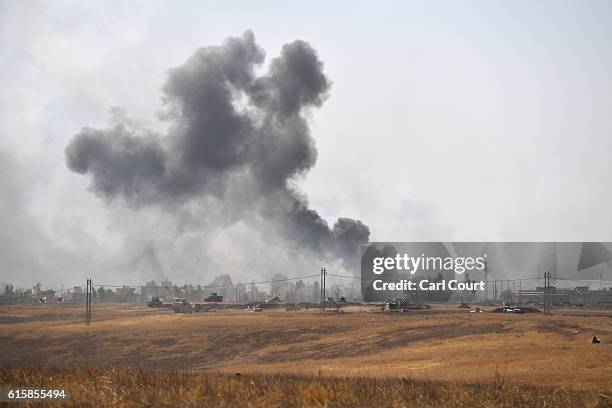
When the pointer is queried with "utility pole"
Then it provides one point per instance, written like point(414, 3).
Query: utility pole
point(508, 290)
point(321, 289)
point(87, 303)
point(547, 292)
point(497, 297)
point(252, 290)
point(236, 302)
point(324, 284)
point(88, 297)
point(494, 290)
point(486, 275)
point(323, 275)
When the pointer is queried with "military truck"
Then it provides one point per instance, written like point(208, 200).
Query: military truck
point(214, 297)
point(183, 306)
point(155, 302)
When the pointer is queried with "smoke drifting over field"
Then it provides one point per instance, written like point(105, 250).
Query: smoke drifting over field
point(235, 143)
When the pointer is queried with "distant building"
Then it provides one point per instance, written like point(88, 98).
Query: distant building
point(167, 290)
point(125, 294)
point(150, 290)
point(577, 295)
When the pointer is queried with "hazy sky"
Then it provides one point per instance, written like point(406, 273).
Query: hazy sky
point(455, 120)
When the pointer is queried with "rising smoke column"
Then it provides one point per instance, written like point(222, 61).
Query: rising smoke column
point(230, 130)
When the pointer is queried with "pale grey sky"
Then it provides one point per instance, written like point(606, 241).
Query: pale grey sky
point(446, 120)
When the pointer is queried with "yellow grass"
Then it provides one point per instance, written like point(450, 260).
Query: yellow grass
point(109, 387)
point(446, 344)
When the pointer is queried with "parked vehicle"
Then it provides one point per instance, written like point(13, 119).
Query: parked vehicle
point(183, 306)
point(155, 302)
point(214, 297)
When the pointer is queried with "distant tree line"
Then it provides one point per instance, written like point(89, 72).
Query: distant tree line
point(15, 295)
point(280, 287)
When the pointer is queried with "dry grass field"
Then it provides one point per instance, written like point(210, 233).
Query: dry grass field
point(551, 356)
point(128, 388)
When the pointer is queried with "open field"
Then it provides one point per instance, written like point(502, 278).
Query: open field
point(445, 344)
point(126, 388)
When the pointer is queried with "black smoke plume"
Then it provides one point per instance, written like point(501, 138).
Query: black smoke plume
point(235, 137)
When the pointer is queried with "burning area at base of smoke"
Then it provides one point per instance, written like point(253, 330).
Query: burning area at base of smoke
point(229, 128)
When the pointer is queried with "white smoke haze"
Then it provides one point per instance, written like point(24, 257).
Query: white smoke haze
point(29, 253)
point(157, 244)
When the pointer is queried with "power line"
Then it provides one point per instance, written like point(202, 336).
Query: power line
point(43, 293)
point(24, 295)
point(583, 280)
point(486, 281)
point(210, 286)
